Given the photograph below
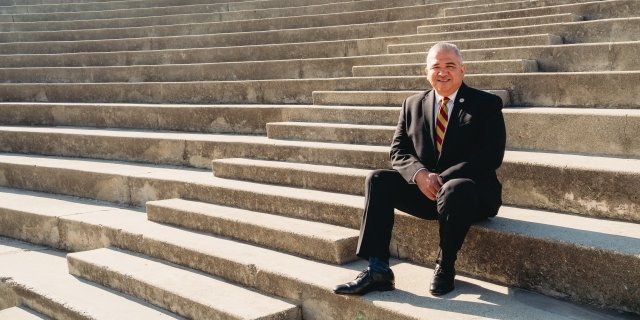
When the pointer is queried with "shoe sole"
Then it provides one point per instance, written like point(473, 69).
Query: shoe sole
point(371, 289)
point(440, 293)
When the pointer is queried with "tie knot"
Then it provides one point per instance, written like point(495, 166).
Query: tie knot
point(444, 101)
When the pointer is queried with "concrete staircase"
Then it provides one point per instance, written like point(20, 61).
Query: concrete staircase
point(114, 115)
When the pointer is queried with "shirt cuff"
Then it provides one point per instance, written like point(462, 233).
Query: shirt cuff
point(413, 179)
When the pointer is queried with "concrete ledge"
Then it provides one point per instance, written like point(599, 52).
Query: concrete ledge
point(143, 11)
point(571, 238)
point(212, 24)
point(185, 292)
point(315, 240)
point(542, 39)
point(378, 98)
point(499, 23)
point(331, 132)
point(529, 89)
point(471, 67)
point(40, 278)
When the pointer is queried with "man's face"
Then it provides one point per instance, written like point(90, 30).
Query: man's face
point(444, 71)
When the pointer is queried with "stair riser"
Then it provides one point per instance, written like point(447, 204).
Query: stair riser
point(316, 248)
point(535, 89)
point(507, 23)
point(481, 43)
point(472, 67)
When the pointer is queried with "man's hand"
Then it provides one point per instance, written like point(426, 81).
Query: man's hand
point(429, 183)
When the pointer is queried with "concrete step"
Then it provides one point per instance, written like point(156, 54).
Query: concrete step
point(186, 292)
point(332, 132)
point(228, 71)
point(590, 132)
point(199, 17)
point(525, 90)
point(328, 33)
point(315, 240)
point(379, 98)
point(382, 33)
point(519, 41)
point(146, 6)
point(597, 187)
point(445, 26)
point(38, 277)
point(556, 58)
point(471, 67)
point(211, 26)
point(311, 13)
point(21, 313)
point(532, 6)
point(520, 175)
point(143, 11)
point(531, 234)
point(243, 119)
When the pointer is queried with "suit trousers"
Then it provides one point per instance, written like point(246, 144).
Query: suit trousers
point(456, 208)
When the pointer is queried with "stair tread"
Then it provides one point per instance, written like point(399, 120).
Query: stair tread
point(410, 299)
point(21, 313)
point(202, 289)
point(43, 272)
point(275, 222)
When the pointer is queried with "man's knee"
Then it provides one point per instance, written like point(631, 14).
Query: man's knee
point(457, 196)
point(377, 176)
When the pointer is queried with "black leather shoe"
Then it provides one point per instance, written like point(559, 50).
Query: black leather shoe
point(442, 282)
point(368, 281)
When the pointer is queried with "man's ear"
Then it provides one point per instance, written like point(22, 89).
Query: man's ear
point(426, 71)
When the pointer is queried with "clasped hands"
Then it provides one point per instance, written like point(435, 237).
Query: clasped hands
point(429, 183)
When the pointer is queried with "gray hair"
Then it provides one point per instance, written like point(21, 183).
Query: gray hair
point(445, 46)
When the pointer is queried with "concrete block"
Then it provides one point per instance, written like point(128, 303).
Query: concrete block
point(41, 280)
point(185, 292)
point(315, 240)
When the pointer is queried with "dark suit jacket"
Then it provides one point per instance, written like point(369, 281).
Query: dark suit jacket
point(473, 145)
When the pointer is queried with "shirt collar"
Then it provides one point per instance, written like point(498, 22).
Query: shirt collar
point(452, 97)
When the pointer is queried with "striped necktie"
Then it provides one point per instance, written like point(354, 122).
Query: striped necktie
point(441, 124)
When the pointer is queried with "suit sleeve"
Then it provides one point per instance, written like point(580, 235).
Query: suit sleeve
point(487, 156)
point(403, 154)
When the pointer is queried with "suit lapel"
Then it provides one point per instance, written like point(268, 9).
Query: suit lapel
point(427, 109)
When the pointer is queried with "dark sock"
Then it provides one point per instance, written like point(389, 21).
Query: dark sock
point(378, 265)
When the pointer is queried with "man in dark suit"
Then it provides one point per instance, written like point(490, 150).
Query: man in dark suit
point(448, 143)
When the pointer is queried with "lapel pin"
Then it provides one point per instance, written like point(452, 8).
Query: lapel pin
point(461, 100)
